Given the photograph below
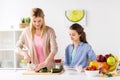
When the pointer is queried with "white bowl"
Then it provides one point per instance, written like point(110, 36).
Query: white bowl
point(69, 70)
point(92, 73)
point(78, 68)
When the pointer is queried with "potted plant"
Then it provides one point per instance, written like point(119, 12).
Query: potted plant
point(25, 22)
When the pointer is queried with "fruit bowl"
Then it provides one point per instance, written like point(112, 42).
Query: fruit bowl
point(107, 62)
point(92, 73)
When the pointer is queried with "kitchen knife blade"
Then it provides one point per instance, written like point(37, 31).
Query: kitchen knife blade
point(32, 65)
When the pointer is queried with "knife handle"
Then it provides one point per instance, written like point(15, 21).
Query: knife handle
point(30, 62)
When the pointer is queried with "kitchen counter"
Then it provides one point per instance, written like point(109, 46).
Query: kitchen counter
point(18, 75)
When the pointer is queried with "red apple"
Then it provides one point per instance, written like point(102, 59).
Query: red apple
point(100, 58)
point(88, 68)
point(93, 68)
point(107, 55)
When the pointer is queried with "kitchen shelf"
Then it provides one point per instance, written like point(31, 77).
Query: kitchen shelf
point(9, 58)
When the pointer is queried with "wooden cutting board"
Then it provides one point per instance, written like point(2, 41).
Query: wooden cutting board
point(41, 73)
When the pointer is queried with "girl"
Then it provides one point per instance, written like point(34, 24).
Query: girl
point(79, 52)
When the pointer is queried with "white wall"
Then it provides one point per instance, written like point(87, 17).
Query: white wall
point(102, 27)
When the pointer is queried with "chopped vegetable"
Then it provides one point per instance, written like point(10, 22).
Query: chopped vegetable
point(55, 70)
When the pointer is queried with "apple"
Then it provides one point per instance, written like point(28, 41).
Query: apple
point(88, 68)
point(92, 68)
point(107, 55)
point(100, 58)
point(110, 60)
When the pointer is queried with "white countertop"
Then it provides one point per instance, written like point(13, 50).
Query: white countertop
point(17, 75)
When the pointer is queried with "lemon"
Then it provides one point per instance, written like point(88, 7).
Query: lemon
point(94, 63)
point(23, 61)
point(74, 15)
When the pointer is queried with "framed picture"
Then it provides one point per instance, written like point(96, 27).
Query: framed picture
point(76, 16)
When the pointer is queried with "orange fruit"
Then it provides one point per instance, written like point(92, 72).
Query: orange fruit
point(94, 63)
point(104, 65)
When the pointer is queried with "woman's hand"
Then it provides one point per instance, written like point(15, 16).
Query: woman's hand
point(40, 66)
point(45, 63)
point(26, 57)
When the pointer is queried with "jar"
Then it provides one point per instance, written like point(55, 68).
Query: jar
point(58, 64)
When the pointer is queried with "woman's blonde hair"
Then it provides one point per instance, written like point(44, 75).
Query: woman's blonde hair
point(37, 12)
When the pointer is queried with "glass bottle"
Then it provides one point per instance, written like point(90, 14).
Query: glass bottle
point(58, 64)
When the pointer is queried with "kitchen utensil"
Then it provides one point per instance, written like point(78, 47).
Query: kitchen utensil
point(31, 65)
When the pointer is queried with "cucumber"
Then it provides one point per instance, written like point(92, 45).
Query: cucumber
point(55, 70)
point(44, 69)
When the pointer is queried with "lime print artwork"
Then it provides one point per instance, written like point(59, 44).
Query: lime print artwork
point(74, 15)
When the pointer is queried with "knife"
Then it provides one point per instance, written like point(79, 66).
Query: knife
point(32, 65)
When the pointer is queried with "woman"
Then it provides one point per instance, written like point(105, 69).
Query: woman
point(78, 53)
point(40, 41)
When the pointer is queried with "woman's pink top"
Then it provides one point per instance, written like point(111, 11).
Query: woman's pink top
point(39, 48)
point(49, 45)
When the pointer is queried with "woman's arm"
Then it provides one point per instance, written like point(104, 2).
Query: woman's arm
point(53, 49)
point(20, 44)
point(25, 55)
point(46, 62)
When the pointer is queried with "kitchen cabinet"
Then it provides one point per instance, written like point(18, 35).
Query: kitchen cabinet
point(9, 59)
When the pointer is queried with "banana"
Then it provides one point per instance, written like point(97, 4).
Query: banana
point(116, 58)
point(112, 68)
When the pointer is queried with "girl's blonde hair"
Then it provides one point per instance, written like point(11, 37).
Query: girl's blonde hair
point(37, 12)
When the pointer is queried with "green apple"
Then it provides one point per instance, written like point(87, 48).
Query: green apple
point(110, 60)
